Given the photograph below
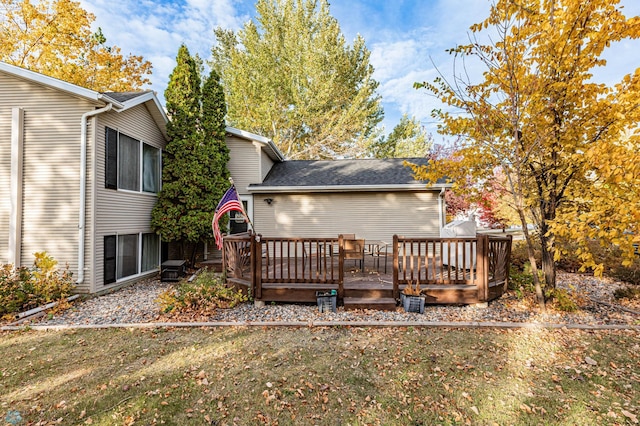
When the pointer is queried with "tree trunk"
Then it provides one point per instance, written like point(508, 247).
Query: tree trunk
point(194, 252)
point(548, 263)
point(547, 247)
point(532, 261)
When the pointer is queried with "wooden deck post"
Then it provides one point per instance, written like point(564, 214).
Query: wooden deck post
point(482, 267)
point(256, 265)
point(340, 266)
point(507, 264)
point(396, 288)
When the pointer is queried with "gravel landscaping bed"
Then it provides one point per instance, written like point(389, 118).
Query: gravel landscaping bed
point(138, 304)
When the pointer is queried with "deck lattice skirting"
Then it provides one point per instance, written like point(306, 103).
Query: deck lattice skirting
point(448, 270)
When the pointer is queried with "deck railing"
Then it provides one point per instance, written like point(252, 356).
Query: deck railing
point(477, 267)
point(297, 261)
point(454, 264)
point(236, 258)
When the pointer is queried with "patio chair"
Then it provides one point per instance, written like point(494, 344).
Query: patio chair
point(354, 250)
point(378, 251)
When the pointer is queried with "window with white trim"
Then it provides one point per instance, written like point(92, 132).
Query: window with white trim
point(237, 221)
point(128, 255)
point(131, 164)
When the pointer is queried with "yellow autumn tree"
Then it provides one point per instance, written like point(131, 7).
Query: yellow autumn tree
point(54, 37)
point(566, 145)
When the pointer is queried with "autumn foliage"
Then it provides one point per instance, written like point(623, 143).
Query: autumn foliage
point(54, 37)
point(567, 146)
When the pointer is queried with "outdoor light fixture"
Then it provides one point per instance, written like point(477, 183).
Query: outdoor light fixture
point(268, 200)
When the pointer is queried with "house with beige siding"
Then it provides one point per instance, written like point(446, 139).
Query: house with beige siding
point(371, 198)
point(80, 172)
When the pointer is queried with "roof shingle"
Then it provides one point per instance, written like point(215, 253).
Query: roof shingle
point(370, 172)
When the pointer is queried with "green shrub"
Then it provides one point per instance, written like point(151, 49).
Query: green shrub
point(25, 288)
point(562, 300)
point(207, 293)
point(520, 255)
point(521, 280)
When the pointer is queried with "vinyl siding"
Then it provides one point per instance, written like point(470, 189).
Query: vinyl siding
point(117, 211)
point(370, 215)
point(244, 163)
point(5, 169)
point(51, 168)
point(265, 165)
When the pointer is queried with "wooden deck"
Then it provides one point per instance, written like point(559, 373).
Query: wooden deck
point(449, 271)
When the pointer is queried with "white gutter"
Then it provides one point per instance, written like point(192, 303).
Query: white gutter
point(346, 188)
point(83, 186)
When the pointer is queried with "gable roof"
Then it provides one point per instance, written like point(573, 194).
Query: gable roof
point(343, 175)
point(270, 148)
point(121, 101)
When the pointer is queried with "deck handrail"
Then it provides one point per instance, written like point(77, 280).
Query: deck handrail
point(480, 261)
point(477, 266)
point(237, 258)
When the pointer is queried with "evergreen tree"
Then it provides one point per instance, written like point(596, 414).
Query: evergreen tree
point(194, 163)
point(214, 111)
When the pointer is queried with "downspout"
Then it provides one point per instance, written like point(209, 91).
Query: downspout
point(441, 208)
point(83, 186)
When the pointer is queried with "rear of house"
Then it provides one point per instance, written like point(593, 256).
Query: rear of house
point(371, 198)
point(82, 170)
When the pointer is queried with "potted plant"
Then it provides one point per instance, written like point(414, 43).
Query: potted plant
point(411, 298)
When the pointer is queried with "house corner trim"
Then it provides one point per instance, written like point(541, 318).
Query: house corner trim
point(15, 217)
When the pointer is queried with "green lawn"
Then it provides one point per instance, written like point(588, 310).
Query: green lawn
point(320, 376)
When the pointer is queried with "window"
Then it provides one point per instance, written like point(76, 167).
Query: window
point(237, 221)
point(150, 169)
point(150, 250)
point(129, 255)
point(130, 164)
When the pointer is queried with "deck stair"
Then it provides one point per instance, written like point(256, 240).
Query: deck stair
point(377, 303)
point(369, 295)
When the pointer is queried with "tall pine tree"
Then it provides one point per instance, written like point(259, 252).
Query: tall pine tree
point(194, 173)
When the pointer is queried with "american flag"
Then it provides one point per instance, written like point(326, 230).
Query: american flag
point(230, 201)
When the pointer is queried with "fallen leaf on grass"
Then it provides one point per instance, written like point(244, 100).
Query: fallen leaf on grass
point(630, 416)
point(526, 408)
point(590, 361)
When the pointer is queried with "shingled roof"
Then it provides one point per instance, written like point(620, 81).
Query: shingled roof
point(124, 96)
point(340, 174)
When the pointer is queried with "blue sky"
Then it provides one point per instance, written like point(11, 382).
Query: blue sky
point(407, 39)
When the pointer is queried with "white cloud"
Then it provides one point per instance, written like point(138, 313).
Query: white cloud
point(407, 39)
point(155, 29)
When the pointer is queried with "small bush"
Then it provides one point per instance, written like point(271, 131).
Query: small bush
point(26, 288)
point(630, 292)
point(207, 293)
point(521, 281)
point(562, 300)
point(609, 256)
point(520, 255)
